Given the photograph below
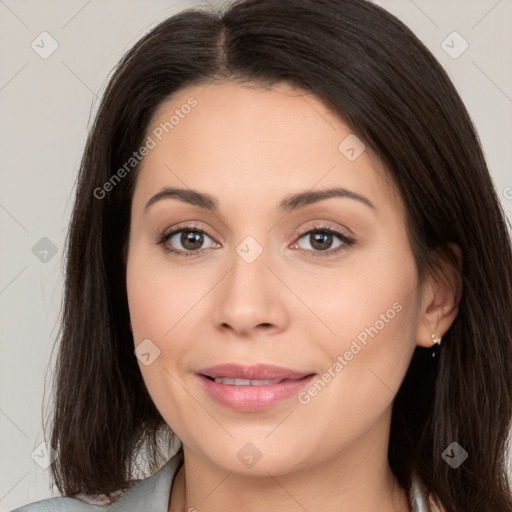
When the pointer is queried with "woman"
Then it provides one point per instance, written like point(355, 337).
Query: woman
point(288, 263)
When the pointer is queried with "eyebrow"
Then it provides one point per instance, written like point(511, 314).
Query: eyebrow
point(288, 204)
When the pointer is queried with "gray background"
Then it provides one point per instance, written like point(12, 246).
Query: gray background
point(45, 111)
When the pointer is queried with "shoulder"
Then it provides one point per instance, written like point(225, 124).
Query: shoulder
point(151, 494)
point(58, 505)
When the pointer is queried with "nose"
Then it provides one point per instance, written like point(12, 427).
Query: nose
point(251, 298)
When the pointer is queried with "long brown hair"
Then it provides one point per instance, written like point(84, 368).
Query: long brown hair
point(372, 71)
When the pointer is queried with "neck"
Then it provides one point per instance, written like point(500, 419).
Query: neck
point(355, 479)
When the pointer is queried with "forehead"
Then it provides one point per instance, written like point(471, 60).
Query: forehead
point(248, 140)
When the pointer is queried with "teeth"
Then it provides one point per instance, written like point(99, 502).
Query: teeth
point(264, 382)
point(246, 382)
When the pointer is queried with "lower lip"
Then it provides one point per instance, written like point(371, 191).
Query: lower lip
point(253, 398)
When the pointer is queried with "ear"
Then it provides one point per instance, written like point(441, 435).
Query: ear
point(441, 295)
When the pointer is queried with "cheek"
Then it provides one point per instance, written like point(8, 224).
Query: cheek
point(374, 294)
point(160, 297)
point(161, 305)
point(372, 312)
point(165, 302)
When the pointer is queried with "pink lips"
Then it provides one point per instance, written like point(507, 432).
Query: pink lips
point(254, 395)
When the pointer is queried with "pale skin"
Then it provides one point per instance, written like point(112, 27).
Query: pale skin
point(250, 147)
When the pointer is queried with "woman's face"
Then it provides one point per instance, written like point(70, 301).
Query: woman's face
point(336, 313)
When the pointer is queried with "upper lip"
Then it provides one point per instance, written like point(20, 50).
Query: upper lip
point(255, 372)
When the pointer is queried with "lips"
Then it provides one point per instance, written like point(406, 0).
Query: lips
point(254, 373)
point(252, 388)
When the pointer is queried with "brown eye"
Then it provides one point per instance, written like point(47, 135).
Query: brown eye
point(191, 240)
point(185, 241)
point(322, 240)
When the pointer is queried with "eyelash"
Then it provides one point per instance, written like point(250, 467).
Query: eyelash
point(347, 241)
